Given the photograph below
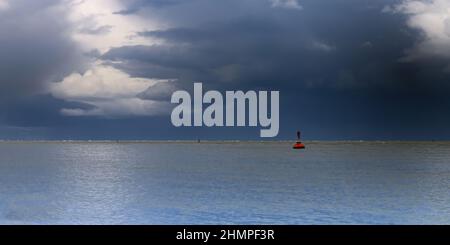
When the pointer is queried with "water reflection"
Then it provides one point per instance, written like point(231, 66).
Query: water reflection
point(241, 183)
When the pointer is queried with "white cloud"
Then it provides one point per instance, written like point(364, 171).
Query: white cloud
point(100, 82)
point(4, 5)
point(111, 92)
point(289, 4)
point(432, 18)
point(97, 27)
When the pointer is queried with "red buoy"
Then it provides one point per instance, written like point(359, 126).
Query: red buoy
point(298, 144)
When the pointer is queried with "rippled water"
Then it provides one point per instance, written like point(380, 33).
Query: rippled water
point(228, 183)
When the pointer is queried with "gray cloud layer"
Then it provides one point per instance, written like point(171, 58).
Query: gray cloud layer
point(340, 63)
point(35, 47)
point(273, 48)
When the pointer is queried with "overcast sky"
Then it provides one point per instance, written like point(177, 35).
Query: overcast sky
point(105, 69)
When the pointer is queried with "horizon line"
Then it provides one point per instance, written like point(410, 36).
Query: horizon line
point(205, 141)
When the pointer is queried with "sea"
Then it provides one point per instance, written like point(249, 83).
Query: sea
point(353, 182)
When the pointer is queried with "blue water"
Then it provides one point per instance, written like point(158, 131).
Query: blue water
point(227, 183)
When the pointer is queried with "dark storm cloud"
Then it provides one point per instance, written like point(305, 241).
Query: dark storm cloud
point(338, 64)
point(277, 48)
point(35, 47)
point(226, 53)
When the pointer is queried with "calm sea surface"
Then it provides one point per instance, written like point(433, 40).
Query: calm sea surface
point(228, 183)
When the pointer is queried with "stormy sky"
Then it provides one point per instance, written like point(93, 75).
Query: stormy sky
point(105, 69)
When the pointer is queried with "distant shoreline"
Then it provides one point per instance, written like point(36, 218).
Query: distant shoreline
point(215, 141)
